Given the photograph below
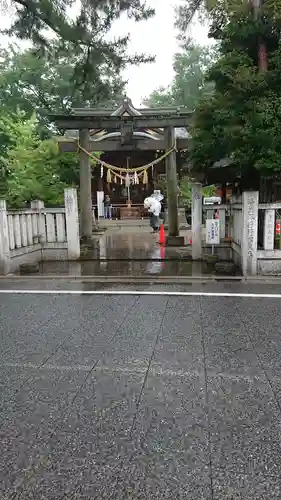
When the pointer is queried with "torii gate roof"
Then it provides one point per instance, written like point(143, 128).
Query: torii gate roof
point(126, 108)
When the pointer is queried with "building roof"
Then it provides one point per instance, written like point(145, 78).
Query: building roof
point(127, 108)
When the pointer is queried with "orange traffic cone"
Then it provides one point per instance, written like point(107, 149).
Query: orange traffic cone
point(162, 238)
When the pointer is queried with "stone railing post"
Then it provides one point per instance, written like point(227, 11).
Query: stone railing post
point(222, 213)
point(4, 240)
point(38, 205)
point(196, 221)
point(72, 223)
point(249, 243)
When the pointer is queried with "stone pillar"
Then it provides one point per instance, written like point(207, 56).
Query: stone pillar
point(173, 237)
point(196, 221)
point(209, 214)
point(222, 213)
point(38, 205)
point(249, 243)
point(4, 240)
point(86, 216)
point(72, 223)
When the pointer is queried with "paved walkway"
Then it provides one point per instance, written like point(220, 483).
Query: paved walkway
point(140, 397)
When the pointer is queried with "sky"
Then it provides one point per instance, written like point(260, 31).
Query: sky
point(156, 37)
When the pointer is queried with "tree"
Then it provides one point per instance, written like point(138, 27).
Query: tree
point(55, 31)
point(32, 168)
point(242, 120)
point(189, 83)
point(34, 84)
point(219, 13)
point(214, 12)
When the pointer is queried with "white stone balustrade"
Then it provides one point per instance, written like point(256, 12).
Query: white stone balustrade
point(46, 233)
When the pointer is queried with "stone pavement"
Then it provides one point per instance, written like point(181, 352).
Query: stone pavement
point(140, 396)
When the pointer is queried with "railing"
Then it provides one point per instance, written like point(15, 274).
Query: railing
point(28, 227)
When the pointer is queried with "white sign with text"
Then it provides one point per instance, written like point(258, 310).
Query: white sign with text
point(212, 231)
point(100, 200)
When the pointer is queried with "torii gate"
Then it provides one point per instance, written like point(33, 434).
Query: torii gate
point(87, 119)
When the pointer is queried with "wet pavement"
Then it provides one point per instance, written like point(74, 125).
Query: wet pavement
point(129, 243)
point(120, 396)
point(126, 268)
point(125, 252)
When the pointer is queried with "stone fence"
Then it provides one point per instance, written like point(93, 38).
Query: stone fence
point(255, 244)
point(247, 233)
point(250, 232)
point(39, 233)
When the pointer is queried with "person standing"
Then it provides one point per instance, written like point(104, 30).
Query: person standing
point(107, 207)
point(154, 208)
point(163, 211)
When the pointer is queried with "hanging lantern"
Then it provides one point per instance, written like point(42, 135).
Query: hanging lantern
point(127, 180)
point(145, 177)
point(108, 176)
point(101, 172)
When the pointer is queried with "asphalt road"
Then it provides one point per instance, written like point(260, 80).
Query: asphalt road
point(141, 397)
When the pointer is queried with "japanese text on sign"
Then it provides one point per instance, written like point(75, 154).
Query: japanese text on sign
point(212, 231)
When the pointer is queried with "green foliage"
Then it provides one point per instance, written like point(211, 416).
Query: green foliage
point(31, 165)
point(189, 84)
point(33, 168)
point(73, 62)
point(242, 120)
point(217, 13)
point(64, 28)
point(43, 86)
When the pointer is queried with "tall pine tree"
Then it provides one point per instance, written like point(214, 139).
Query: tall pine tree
point(84, 35)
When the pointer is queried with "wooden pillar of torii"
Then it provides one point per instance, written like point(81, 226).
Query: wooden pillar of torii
point(172, 191)
point(86, 209)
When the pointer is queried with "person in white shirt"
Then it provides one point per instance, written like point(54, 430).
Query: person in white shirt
point(154, 208)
